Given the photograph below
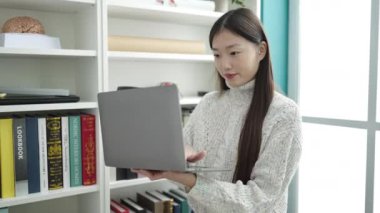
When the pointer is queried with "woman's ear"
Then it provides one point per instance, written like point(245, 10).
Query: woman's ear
point(262, 50)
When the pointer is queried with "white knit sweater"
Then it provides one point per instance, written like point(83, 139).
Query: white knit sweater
point(215, 126)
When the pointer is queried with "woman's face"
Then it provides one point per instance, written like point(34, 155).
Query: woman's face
point(236, 59)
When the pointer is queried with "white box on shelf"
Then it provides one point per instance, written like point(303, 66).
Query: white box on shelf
point(29, 40)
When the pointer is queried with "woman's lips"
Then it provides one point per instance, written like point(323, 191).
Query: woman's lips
point(230, 76)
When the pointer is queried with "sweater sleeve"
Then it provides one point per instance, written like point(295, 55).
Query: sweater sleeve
point(271, 176)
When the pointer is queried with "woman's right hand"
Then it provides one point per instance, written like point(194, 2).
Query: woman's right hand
point(193, 156)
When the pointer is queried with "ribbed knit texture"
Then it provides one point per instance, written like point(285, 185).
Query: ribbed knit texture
point(215, 126)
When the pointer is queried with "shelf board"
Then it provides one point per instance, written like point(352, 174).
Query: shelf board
point(31, 198)
point(190, 101)
point(132, 182)
point(45, 53)
point(122, 9)
point(70, 6)
point(47, 107)
point(143, 56)
point(126, 183)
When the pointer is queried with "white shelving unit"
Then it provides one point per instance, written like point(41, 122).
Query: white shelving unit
point(76, 67)
point(190, 72)
point(85, 67)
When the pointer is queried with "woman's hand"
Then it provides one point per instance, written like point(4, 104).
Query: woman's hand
point(193, 156)
point(185, 178)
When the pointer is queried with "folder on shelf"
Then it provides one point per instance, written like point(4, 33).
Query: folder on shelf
point(13, 99)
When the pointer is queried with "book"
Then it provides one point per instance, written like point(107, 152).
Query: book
point(54, 152)
point(44, 179)
point(178, 199)
point(149, 202)
point(7, 158)
point(125, 174)
point(132, 205)
point(182, 194)
point(31, 124)
point(29, 40)
point(65, 151)
point(168, 202)
point(118, 207)
point(88, 149)
point(4, 210)
point(34, 91)
point(20, 156)
point(14, 99)
point(141, 44)
point(75, 150)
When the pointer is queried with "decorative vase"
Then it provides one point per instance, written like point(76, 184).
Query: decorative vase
point(221, 5)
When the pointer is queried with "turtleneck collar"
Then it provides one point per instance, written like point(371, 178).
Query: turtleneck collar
point(242, 95)
point(247, 86)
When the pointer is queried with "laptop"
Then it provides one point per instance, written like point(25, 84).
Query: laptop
point(141, 128)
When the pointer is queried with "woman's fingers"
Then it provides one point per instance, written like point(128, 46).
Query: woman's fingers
point(196, 156)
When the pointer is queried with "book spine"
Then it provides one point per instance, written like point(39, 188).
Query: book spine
point(65, 151)
point(20, 156)
point(75, 150)
point(31, 124)
point(4, 210)
point(43, 154)
point(7, 158)
point(54, 152)
point(88, 149)
point(118, 208)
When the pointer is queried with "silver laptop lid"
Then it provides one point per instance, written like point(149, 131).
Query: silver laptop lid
point(141, 128)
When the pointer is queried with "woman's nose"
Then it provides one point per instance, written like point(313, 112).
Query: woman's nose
point(225, 64)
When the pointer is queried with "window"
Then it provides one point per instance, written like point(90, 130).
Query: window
point(334, 61)
point(332, 169)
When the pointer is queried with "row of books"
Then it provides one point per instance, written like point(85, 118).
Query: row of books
point(203, 5)
point(39, 153)
point(169, 201)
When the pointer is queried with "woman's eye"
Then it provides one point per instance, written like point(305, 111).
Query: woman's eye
point(216, 55)
point(234, 53)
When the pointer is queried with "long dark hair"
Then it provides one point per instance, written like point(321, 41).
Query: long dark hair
point(244, 23)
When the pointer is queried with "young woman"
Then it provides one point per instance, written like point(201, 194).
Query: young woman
point(246, 126)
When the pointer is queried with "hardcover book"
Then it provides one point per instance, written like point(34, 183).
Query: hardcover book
point(33, 154)
point(118, 207)
point(54, 152)
point(151, 203)
point(7, 158)
point(29, 40)
point(75, 150)
point(14, 99)
point(132, 205)
point(178, 199)
point(4, 210)
point(88, 149)
point(125, 174)
point(20, 156)
point(44, 179)
point(168, 202)
point(65, 151)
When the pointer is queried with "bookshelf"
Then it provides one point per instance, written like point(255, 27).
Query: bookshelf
point(85, 67)
point(76, 67)
point(191, 72)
